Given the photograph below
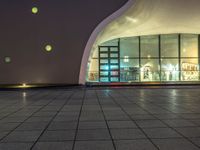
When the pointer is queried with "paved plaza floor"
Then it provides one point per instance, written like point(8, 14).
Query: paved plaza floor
point(149, 118)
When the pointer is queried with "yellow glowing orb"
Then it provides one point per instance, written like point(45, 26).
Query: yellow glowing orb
point(34, 10)
point(7, 59)
point(48, 48)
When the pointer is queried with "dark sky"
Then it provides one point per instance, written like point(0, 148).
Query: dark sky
point(65, 24)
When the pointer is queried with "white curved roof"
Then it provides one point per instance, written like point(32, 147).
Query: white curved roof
point(144, 17)
point(148, 17)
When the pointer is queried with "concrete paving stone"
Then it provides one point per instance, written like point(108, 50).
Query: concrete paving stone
point(38, 119)
point(92, 125)
point(142, 117)
point(2, 115)
point(68, 113)
point(196, 121)
point(117, 117)
point(14, 119)
point(97, 134)
point(167, 116)
point(3, 134)
point(189, 131)
point(87, 108)
point(51, 108)
point(71, 108)
point(190, 115)
point(8, 126)
point(121, 124)
point(59, 135)
point(45, 114)
point(196, 141)
point(29, 126)
point(62, 126)
point(94, 145)
point(161, 133)
point(65, 118)
point(150, 123)
point(179, 123)
point(92, 117)
point(134, 111)
point(22, 136)
point(22, 114)
point(134, 145)
point(15, 146)
point(174, 144)
point(127, 134)
point(53, 146)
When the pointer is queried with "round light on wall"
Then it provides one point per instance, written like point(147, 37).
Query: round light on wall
point(7, 59)
point(35, 10)
point(48, 48)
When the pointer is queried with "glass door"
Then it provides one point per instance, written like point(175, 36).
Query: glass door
point(109, 64)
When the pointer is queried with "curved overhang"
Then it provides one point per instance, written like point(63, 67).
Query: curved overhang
point(145, 17)
point(94, 36)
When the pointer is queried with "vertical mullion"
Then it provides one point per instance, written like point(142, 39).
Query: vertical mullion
point(119, 71)
point(109, 65)
point(159, 49)
point(179, 56)
point(99, 64)
point(139, 38)
point(199, 55)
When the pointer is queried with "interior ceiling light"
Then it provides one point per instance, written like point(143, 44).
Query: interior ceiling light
point(132, 19)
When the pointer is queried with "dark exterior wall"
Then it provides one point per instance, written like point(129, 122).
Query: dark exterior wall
point(65, 24)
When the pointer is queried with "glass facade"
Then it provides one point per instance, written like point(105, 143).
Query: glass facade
point(155, 58)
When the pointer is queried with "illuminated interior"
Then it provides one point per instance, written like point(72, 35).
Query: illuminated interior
point(154, 58)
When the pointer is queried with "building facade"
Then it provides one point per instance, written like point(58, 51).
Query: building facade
point(42, 42)
point(75, 42)
point(153, 41)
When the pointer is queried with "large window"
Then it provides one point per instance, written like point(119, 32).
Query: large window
point(129, 62)
point(190, 69)
point(189, 58)
point(129, 47)
point(129, 69)
point(170, 70)
point(93, 70)
point(168, 58)
point(150, 70)
point(149, 47)
point(189, 45)
point(169, 46)
point(169, 50)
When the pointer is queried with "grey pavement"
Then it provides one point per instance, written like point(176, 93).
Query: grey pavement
point(120, 118)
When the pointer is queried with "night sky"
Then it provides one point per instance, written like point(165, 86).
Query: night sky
point(64, 24)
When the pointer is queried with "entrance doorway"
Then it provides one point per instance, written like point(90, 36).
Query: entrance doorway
point(109, 64)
